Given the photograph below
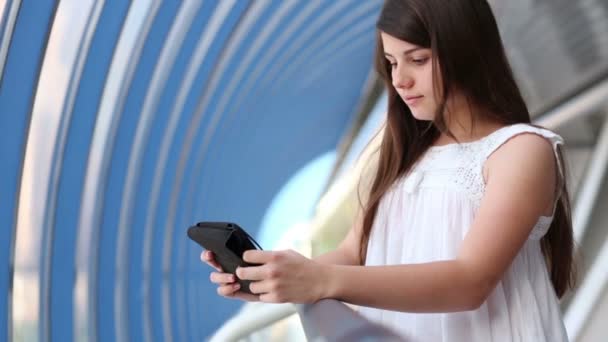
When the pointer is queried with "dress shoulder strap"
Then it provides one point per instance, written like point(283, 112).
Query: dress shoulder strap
point(501, 136)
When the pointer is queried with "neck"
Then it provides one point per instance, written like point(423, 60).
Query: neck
point(459, 123)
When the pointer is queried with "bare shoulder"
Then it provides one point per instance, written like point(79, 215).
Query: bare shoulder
point(524, 164)
point(524, 152)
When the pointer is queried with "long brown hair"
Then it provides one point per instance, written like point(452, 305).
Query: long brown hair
point(469, 55)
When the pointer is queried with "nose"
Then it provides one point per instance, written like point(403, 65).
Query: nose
point(402, 80)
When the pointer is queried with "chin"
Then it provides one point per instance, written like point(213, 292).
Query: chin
point(422, 116)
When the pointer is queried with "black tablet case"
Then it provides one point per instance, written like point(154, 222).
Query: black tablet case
point(228, 241)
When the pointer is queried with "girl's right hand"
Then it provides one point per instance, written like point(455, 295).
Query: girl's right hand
point(228, 287)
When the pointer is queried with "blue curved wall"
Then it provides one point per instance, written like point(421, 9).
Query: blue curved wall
point(123, 123)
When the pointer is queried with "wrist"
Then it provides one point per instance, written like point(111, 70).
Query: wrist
point(327, 281)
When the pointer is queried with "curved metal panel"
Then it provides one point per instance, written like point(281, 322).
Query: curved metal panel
point(314, 29)
point(23, 64)
point(110, 266)
point(54, 96)
point(119, 78)
point(56, 168)
point(163, 130)
point(8, 13)
point(65, 308)
point(243, 37)
point(129, 277)
point(208, 49)
point(360, 20)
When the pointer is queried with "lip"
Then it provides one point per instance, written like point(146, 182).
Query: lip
point(412, 100)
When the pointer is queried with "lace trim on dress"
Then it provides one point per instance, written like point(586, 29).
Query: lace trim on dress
point(467, 174)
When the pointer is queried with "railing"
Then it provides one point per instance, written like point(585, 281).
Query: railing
point(254, 317)
point(325, 320)
point(331, 320)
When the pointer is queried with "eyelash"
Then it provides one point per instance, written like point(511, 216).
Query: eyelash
point(418, 62)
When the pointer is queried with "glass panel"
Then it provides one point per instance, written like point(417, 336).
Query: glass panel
point(121, 70)
point(2, 9)
point(8, 15)
point(53, 87)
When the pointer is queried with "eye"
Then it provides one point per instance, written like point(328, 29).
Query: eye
point(420, 61)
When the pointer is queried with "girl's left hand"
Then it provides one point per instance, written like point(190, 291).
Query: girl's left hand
point(285, 276)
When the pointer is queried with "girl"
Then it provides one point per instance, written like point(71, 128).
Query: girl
point(466, 232)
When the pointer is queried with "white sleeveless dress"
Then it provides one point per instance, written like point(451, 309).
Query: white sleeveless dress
point(425, 216)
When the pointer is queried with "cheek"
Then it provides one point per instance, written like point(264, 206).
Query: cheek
point(432, 97)
point(428, 80)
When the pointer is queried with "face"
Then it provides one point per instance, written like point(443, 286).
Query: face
point(412, 75)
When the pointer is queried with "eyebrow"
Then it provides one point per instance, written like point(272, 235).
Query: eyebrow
point(406, 52)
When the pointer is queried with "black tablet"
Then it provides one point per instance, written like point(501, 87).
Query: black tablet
point(228, 241)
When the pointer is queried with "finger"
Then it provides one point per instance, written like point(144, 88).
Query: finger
point(209, 258)
point(228, 289)
point(260, 287)
point(232, 291)
point(205, 256)
point(255, 256)
point(251, 272)
point(270, 298)
point(222, 278)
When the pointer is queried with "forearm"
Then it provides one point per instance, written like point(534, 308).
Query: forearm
point(335, 257)
point(442, 286)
